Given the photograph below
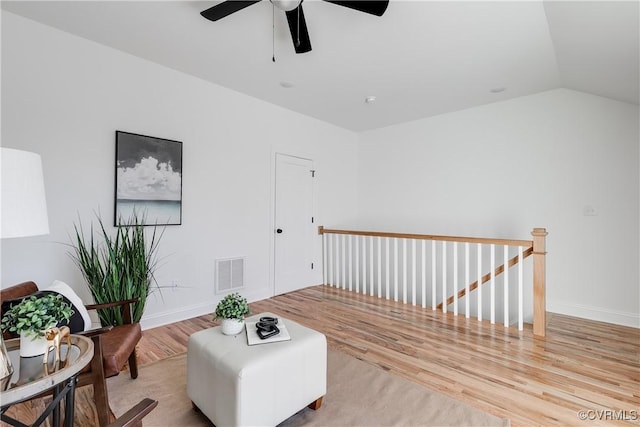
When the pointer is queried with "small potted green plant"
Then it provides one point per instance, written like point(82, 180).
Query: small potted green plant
point(231, 310)
point(31, 317)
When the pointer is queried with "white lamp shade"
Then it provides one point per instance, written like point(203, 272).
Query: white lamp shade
point(23, 204)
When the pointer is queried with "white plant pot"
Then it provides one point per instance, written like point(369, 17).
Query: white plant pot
point(31, 345)
point(232, 326)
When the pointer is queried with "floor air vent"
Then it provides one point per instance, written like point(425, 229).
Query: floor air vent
point(229, 274)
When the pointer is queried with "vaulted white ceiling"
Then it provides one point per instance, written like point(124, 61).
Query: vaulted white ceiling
point(421, 58)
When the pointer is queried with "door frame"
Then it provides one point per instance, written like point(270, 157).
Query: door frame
point(272, 213)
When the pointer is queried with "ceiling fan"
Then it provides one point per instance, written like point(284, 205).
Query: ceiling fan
point(295, 15)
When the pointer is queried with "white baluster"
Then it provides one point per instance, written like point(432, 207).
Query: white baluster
point(413, 272)
point(444, 277)
point(493, 284)
point(424, 274)
point(404, 271)
point(455, 278)
point(379, 267)
point(387, 272)
point(330, 259)
point(371, 265)
point(336, 260)
point(344, 263)
point(325, 259)
point(433, 275)
point(364, 264)
point(467, 278)
point(350, 237)
point(337, 265)
point(520, 290)
point(505, 292)
point(358, 266)
point(479, 315)
point(395, 270)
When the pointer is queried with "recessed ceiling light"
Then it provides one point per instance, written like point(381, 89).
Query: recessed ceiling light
point(370, 99)
point(286, 85)
point(498, 89)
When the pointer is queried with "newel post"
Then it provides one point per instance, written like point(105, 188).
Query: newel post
point(539, 282)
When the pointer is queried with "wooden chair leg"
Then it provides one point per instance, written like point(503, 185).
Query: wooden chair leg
point(133, 365)
point(100, 393)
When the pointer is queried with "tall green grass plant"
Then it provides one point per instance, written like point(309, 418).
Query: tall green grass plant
point(118, 267)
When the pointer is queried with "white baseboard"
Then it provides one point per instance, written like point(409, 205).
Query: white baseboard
point(596, 313)
point(164, 318)
point(167, 317)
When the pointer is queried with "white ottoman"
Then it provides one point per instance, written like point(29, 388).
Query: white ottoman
point(235, 384)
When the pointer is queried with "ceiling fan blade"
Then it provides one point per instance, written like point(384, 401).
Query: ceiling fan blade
point(298, 28)
point(374, 7)
point(225, 8)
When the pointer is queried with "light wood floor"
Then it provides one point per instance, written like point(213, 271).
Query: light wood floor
point(581, 365)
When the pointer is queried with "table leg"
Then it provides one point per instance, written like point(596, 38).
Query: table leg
point(58, 393)
point(55, 422)
point(69, 402)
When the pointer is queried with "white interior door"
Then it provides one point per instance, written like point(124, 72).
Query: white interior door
point(293, 226)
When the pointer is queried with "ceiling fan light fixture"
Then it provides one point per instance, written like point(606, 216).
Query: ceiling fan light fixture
point(286, 5)
point(295, 15)
point(370, 99)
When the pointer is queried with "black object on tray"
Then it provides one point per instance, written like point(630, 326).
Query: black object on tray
point(267, 327)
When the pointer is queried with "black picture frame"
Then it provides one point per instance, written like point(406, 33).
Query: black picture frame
point(148, 179)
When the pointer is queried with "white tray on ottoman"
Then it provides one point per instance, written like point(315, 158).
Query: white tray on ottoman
point(235, 384)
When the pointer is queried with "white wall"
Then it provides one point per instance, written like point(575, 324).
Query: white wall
point(502, 169)
point(64, 97)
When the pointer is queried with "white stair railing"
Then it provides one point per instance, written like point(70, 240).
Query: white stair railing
point(404, 267)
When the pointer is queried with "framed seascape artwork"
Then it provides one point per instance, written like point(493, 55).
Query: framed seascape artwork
point(148, 179)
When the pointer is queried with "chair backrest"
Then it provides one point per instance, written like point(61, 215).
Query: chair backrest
point(18, 291)
point(79, 321)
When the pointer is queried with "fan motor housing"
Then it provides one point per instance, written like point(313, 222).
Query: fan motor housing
point(286, 5)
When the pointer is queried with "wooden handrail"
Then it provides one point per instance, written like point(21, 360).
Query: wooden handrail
point(499, 270)
point(483, 240)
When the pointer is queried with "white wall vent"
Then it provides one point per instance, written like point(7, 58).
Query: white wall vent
point(229, 274)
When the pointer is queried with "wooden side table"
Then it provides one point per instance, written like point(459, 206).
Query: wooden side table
point(31, 377)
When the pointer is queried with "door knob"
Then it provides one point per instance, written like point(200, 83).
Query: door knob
point(279, 230)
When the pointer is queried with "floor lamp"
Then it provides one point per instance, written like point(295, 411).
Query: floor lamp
point(23, 212)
